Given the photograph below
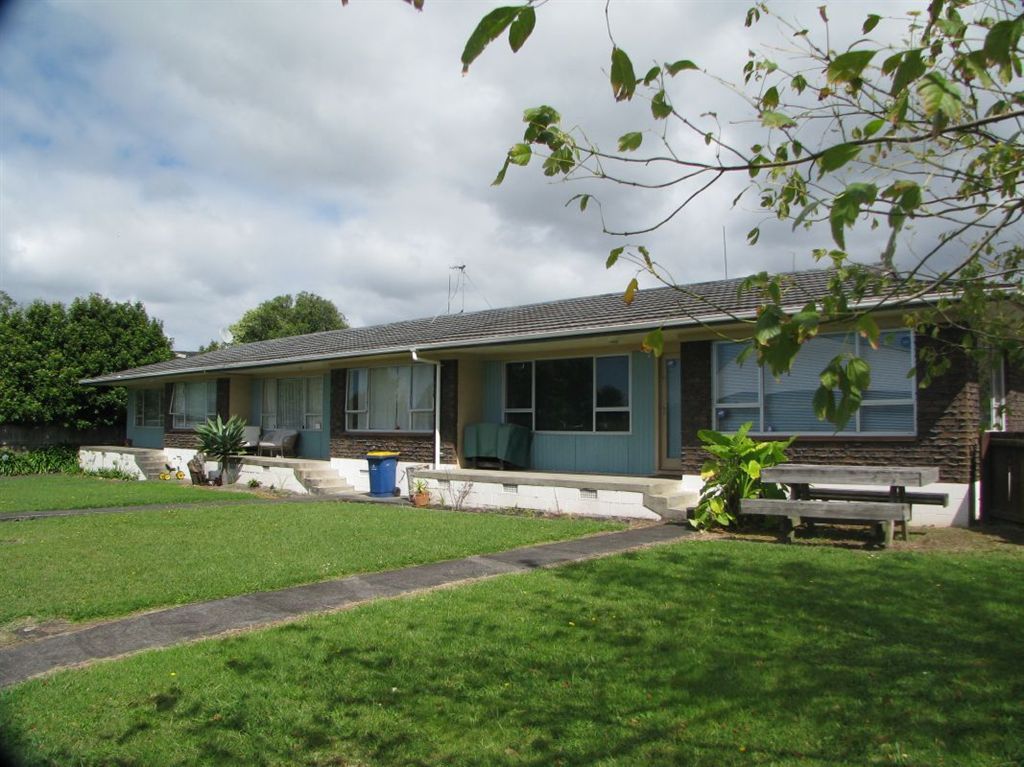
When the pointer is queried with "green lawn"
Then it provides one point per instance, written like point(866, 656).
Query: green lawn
point(63, 491)
point(93, 566)
point(702, 653)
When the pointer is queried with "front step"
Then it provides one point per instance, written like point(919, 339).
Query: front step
point(320, 481)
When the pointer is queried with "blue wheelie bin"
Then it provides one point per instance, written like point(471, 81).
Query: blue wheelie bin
point(383, 467)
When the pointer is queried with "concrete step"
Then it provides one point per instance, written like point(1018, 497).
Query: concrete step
point(671, 505)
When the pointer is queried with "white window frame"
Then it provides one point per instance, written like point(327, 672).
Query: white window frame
point(140, 408)
point(853, 427)
point(178, 414)
point(363, 413)
point(593, 383)
point(997, 395)
point(268, 405)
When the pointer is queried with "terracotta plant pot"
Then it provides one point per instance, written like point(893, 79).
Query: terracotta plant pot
point(421, 499)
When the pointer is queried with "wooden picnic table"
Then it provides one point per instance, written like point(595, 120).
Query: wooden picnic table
point(807, 501)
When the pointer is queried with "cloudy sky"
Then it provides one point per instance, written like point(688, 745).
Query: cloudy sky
point(202, 157)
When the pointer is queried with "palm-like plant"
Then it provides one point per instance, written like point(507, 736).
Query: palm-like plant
point(221, 440)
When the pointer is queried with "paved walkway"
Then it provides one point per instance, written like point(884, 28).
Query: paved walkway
point(186, 623)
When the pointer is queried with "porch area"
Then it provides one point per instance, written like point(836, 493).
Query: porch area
point(593, 495)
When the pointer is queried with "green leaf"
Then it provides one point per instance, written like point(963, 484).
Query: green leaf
point(652, 75)
point(613, 256)
point(660, 107)
point(939, 96)
point(798, 83)
point(520, 154)
point(654, 343)
point(847, 67)
point(777, 120)
point(501, 173)
point(835, 157)
point(873, 127)
point(521, 28)
point(770, 99)
point(622, 77)
point(680, 66)
point(631, 290)
point(584, 199)
point(753, 235)
point(824, 403)
point(630, 141)
point(868, 328)
point(871, 22)
point(847, 206)
point(910, 68)
point(490, 26)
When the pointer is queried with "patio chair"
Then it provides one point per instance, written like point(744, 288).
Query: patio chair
point(251, 437)
point(197, 470)
point(280, 441)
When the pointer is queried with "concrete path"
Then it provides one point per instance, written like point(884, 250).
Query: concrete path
point(175, 625)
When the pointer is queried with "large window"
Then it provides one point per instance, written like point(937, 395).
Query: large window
point(149, 407)
point(395, 398)
point(193, 403)
point(588, 394)
point(748, 392)
point(293, 403)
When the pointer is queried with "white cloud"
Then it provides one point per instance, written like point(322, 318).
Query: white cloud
point(203, 157)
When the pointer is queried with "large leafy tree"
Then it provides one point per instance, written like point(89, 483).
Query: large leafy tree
point(49, 347)
point(901, 152)
point(284, 316)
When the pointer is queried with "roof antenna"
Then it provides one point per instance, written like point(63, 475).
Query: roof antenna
point(725, 254)
point(460, 285)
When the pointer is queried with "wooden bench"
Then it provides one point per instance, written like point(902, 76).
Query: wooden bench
point(882, 513)
point(810, 504)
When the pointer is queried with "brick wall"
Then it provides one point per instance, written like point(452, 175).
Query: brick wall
point(947, 422)
point(1014, 398)
point(418, 448)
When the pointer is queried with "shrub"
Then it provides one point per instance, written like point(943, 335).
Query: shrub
point(734, 473)
point(55, 459)
point(221, 440)
point(114, 473)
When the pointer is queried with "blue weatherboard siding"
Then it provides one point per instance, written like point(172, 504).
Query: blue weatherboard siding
point(632, 453)
point(142, 436)
point(312, 444)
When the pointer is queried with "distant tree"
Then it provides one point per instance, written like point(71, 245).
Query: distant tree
point(286, 316)
point(49, 347)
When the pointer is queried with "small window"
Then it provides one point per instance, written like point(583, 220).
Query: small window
point(748, 393)
point(193, 403)
point(394, 398)
point(149, 407)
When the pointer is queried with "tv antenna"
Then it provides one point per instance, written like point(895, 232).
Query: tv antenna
point(460, 286)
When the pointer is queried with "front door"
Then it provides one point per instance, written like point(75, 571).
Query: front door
point(670, 421)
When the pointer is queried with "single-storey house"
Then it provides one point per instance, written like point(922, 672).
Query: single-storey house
point(614, 429)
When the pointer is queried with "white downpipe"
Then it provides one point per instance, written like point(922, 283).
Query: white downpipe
point(437, 404)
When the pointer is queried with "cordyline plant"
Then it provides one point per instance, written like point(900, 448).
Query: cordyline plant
point(734, 473)
point(221, 440)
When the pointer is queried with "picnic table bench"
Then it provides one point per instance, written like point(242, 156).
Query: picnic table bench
point(808, 503)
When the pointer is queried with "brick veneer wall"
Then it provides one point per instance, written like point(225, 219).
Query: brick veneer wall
point(1014, 398)
point(187, 439)
point(947, 422)
point(415, 448)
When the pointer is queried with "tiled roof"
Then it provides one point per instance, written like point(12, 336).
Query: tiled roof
point(686, 305)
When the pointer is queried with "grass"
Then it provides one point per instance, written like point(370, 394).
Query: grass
point(95, 566)
point(702, 653)
point(62, 491)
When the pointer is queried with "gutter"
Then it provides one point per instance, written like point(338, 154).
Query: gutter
point(437, 403)
point(647, 324)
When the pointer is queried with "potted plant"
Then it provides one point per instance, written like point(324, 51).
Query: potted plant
point(420, 494)
point(222, 440)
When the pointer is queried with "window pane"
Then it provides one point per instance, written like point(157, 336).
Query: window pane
point(887, 418)
point(152, 407)
point(357, 421)
point(423, 388)
point(519, 385)
point(890, 363)
point(196, 398)
point(211, 400)
point(735, 382)
point(612, 382)
point(315, 396)
point(732, 418)
point(520, 419)
point(356, 390)
point(612, 420)
point(788, 401)
point(423, 421)
point(565, 394)
point(289, 403)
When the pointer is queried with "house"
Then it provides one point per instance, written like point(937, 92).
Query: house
point(614, 428)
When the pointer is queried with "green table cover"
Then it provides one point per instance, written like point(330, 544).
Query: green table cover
point(506, 442)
